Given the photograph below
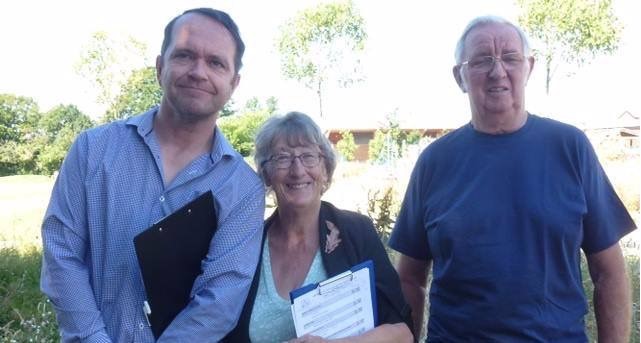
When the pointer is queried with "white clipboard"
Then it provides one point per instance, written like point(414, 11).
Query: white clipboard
point(341, 306)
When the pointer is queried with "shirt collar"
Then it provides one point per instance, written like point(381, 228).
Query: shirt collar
point(144, 123)
point(221, 147)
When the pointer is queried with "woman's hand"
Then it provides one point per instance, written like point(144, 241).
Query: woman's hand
point(309, 339)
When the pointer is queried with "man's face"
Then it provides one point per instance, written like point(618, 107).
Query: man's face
point(197, 72)
point(497, 95)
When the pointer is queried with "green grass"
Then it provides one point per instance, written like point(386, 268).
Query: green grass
point(25, 315)
point(23, 200)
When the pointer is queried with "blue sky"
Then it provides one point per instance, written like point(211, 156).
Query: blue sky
point(407, 61)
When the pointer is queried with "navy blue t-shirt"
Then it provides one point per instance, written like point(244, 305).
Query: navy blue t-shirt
point(503, 218)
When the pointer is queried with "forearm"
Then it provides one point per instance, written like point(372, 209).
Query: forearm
point(612, 308)
point(413, 274)
point(392, 333)
point(220, 291)
point(415, 296)
point(386, 333)
point(612, 302)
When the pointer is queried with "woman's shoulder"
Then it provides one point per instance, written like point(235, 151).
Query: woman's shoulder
point(342, 216)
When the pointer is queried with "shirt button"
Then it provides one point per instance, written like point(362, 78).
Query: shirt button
point(162, 198)
point(141, 326)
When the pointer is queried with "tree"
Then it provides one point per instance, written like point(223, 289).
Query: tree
point(63, 117)
point(19, 118)
point(138, 94)
point(573, 31)
point(107, 62)
point(228, 109)
point(346, 146)
point(254, 104)
point(240, 129)
point(59, 128)
point(322, 43)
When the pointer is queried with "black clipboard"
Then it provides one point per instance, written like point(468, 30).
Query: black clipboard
point(170, 253)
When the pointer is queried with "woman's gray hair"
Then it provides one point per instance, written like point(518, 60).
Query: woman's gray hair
point(297, 129)
point(483, 20)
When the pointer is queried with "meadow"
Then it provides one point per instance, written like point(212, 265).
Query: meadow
point(27, 316)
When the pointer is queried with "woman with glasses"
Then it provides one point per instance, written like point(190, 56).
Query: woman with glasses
point(307, 240)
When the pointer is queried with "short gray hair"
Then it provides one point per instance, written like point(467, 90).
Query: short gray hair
point(484, 20)
point(297, 129)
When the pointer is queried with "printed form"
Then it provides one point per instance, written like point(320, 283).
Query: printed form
point(338, 307)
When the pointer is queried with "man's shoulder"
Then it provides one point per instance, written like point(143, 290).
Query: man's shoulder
point(554, 126)
point(444, 145)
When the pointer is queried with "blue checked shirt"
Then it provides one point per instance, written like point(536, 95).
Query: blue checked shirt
point(110, 188)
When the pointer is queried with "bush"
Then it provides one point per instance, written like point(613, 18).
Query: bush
point(240, 130)
point(346, 146)
point(382, 209)
point(376, 147)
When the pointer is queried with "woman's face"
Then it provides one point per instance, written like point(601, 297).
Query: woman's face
point(296, 174)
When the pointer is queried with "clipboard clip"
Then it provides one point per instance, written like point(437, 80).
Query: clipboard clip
point(339, 277)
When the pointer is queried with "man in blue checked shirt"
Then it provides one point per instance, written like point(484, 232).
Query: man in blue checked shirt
point(120, 178)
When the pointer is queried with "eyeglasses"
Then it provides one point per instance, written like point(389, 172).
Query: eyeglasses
point(284, 161)
point(483, 64)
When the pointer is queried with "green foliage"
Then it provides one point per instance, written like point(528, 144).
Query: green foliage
point(323, 43)
point(412, 137)
point(19, 118)
point(58, 129)
point(63, 117)
point(375, 146)
point(33, 142)
point(106, 62)
point(25, 314)
point(138, 94)
point(228, 109)
point(382, 208)
point(346, 146)
point(16, 158)
point(390, 142)
point(271, 105)
point(240, 129)
point(570, 30)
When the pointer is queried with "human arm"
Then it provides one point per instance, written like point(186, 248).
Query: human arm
point(413, 274)
point(612, 303)
point(219, 293)
point(65, 277)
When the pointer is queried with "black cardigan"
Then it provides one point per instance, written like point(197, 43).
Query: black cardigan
point(359, 242)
